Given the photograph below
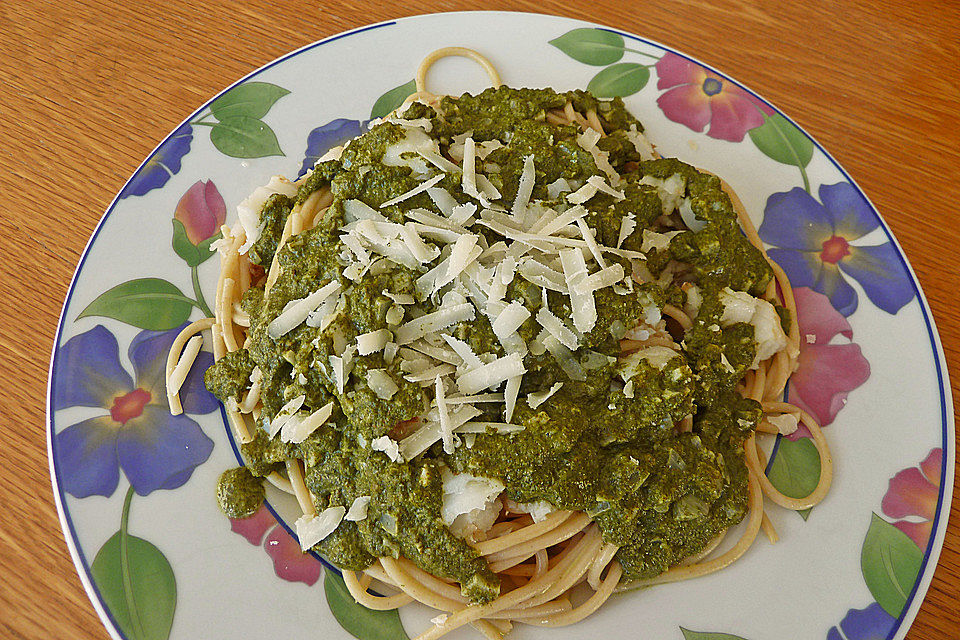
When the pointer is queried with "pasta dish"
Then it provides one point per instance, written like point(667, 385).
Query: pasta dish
point(507, 358)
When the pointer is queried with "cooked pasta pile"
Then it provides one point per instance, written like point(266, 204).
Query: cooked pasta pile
point(511, 293)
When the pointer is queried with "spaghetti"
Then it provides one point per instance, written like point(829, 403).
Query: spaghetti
point(539, 560)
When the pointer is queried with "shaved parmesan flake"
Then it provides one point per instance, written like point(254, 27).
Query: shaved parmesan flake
point(389, 446)
point(462, 213)
point(542, 275)
point(570, 215)
point(538, 510)
point(249, 209)
point(299, 430)
point(372, 341)
point(438, 161)
point(381, 383)
point(421, 439)
point(463, 350)
point(564, 357)
point(311, 529)
point(491, 374)
point(689, 217)
point(423, 186)
point(557, 329)
point(640, 143)
point(602, 187)
point(468, 181)
point(558, 186)
point(480, 397)
point(785, 423)
point(394, 315)
point(286, 412)
point(510, 319)
point(582, 194)
point(390, 351)
point(481, 427)
point(406, 152)
point(588, 142)
point(463, 493)
point(628, 389)
point(399, 298)
point(487, 147)
point(431, 322)
point(739, 306)
point(591, 241)
point(428, 375)
point(440, 620)
point(358, 510)
point(524, 189)
point(628, 224)
point(296, 311)
point(583, 307)
point(354, 210)
point(446, 431)
point(421, 123)
point(510, 392)
point(422, 251)
point(606, 277)
point(658, 241)
point(464, 251)
point(442, 198)
point(342, 366)
point(656, 356)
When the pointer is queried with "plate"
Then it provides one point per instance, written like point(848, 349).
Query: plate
point(135, 486)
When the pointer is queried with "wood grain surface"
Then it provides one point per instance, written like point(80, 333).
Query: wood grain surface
point(89, 87)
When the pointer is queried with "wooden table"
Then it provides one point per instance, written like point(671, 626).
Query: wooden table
point(88, 90)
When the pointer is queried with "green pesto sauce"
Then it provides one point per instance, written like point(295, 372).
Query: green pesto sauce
point(595, 445)
point(239, 492)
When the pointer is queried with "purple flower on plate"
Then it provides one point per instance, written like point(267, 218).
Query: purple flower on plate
point(872, 623)
point(289, 562)
point(814, 244)
point(697, 98)
point(137, 433)
point(827, 370)
point(914, 493)
point(201, 211)
point(164, 162)
point(324, 138)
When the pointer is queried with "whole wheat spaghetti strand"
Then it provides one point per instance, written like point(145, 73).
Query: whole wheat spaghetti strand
point(420, 78)
point(826, 470)
point(377, 603)
point(173, 358)
point(552, 521)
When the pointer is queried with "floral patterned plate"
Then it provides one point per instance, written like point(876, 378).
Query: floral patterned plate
point(135, 486)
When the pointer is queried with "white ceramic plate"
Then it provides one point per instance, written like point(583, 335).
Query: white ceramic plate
point(135, 486)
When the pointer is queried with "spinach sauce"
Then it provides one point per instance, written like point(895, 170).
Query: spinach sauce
point(659, 494)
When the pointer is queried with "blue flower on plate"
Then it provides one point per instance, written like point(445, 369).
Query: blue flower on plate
point(324, 138)
point(137, 434)
point(814, 245)
point(164, 162)
point(872, 623)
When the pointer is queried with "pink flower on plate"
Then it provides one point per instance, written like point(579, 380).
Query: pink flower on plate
point(697, 98)
point(914, 493)
point(829, 367)
point(201, 211)
point(289, 562)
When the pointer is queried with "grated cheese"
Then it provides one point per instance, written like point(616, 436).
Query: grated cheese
point(536, 399)
point(311, 529)
point(358, 510)
point(381, 383)
point(296, 431)
point(296, 311)
point(491, 374)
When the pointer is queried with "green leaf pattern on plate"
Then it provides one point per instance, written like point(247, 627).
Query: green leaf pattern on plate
point(890, 563)
point(779, 140)
point(361, 622)
point(619, 80)
point(707, 635)
point(392, 99)
point(147, 303)
point(795, 471)
point(251, 99)
point(591, 46)
point(193, 255)
point(244, 137)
